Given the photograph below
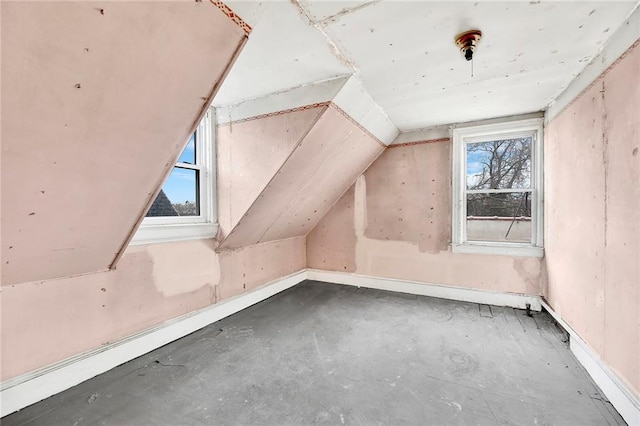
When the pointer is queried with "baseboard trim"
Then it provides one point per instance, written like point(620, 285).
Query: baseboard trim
point(618, 393)
point(428, 289)
point(27, 389)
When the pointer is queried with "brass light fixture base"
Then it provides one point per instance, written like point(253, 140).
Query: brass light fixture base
point(467, 42)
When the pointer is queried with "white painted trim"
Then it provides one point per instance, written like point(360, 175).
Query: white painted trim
point(506, 249)
point(35, 386)
point(619, 394)
point(463, 294)
point(29, 388)
point(152, 234)
point(463, 134)
point(618, 43)
point(180, 228)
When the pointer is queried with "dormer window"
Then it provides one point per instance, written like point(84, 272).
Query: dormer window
point(185, 206)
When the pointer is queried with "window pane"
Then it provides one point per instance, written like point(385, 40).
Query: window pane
point(189, 154)
point(179, 195)
point(499, 164)
point(504, 217)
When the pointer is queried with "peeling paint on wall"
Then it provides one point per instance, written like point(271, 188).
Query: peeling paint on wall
point(153, 283)
point(183, 266)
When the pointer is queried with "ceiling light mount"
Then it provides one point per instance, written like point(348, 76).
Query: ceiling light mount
point(467, 42)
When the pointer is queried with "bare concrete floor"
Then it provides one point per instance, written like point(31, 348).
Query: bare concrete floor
point(328, 354)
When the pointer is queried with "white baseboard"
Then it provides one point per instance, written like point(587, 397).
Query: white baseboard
point(27, 389)
point(428, 289)
point(621, 397)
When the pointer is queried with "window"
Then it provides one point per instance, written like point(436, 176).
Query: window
point(185, 206)
point(497, 184)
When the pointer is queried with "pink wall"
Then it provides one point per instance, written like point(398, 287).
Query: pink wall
point(324, 163)
point(249, 155)
point(81, 163)
point(592, 235)
point(395, 222)
point(47, 321)
point(96, 107)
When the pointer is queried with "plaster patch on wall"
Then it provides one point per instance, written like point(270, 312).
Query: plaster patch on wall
point(177, 270)
point(71, 315)
point(380, 250)
point(405, 260)
point(529, 269)
point(415, 207)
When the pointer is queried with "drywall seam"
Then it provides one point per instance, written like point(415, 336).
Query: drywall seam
point(35, 386)
point(320, 28)
point(352, 120)
point(169, 166)
point(623, 40)
point(302, 137)
point(397, 145)
point(347, 189)
point(305, 186)
point(512, 300)
point(322, 166)
point(345, 11)
point(619, 394)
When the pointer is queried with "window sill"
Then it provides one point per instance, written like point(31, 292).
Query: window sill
point(517, 250)
point(152, 234)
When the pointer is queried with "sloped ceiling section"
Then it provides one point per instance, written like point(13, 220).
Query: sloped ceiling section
point(404, 52)
point(98, 100)
point(250, 153)
point(338, 131)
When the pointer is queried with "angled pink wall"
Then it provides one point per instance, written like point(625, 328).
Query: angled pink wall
point(98, 101)
point(395, 222)
point(250, 153)
point(317, 172)
point(46, 321)
point(592, 235)
point(80, 164)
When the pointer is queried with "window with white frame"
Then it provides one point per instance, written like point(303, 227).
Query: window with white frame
point(497, 184)
point(185, 206)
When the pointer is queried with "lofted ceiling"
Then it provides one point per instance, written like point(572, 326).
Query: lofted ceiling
point(405, 56)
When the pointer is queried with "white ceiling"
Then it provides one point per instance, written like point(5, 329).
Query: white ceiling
point(404, 53)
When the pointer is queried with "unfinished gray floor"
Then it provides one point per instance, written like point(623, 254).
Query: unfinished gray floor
point(328, 354)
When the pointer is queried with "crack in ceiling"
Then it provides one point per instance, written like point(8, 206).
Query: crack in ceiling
point(405, 56)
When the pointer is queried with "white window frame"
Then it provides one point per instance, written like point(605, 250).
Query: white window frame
point(479, 133)
point(180, 228)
